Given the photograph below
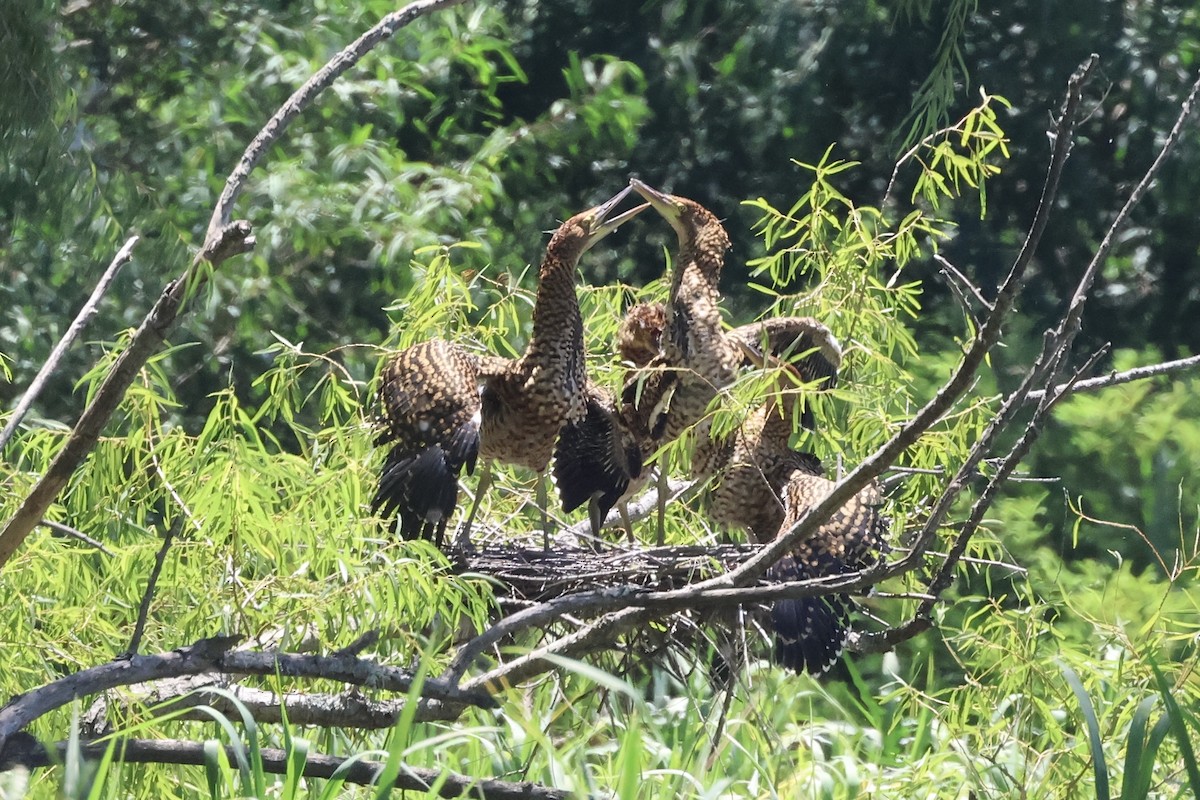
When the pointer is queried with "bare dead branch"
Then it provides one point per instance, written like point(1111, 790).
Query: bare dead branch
point(23, 709)
point(304, 96)
point(983, 504)
point(80, 322)
point(214, 656)
point(956, 273)
point(1118, 378)
point(1062, 139)
point(67, 530)
point(275, 762)
point(223, 240)
point(177, 696)
point(1071, 324)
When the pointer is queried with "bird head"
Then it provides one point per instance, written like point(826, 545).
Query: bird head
point(581, 232)
point(690, 220)
point(639, 339)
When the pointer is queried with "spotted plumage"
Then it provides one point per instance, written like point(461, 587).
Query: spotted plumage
point(443, 408)
point(810, 632)
point(431, 418)
point(696, 360)
point(639, 339)
point(748, 468)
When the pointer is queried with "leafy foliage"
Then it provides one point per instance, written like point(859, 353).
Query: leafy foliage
point(412, 202)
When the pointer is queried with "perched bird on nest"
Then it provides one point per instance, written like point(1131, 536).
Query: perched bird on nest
point(599, 460)
point(695, 359)
point(750, 466)
point(444, 407)
point(755, 461)
point(672, 391)
point(764, 486)
point(810, 632)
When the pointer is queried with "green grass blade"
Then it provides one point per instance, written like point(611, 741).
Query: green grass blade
point(213, 769)
point(401, 734)
point(629, 760)
point(235, 741)
point(333, 787)
point(100, 776)
point(253, 776)
point(1179, 726)
point(297, 757)
point(1135, 751)
point(1099, 766)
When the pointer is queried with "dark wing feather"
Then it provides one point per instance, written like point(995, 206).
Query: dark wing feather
point(595, 457)
point(431, 411)
point(810, 632)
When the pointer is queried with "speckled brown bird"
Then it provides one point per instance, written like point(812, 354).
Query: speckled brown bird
point(672, 392)
point(443, 407)
point(695, 360)
point(810, 632)
point(762, 485)
point(749, 467)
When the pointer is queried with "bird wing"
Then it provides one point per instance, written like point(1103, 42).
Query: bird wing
point(429, 395)
point(803, 342)
point(810, 632)
point(596, 456)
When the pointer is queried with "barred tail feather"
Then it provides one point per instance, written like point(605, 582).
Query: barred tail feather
point(422, 488)
point(810, 632)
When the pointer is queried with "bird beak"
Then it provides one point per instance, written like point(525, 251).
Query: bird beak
point(599, 222)
point(663, 203)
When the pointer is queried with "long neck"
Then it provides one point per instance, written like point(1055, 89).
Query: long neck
point(776, 424)
point(556, 318)
point(698, 273)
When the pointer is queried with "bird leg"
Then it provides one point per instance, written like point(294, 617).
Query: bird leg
point(463, 540)
point(623, 509)
point(542, 503)
point(661, 512)
point(594, 518)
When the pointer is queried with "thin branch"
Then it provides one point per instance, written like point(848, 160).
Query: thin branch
point(954, 272)
point(223, 240)
point(67, 530)
point(303, 97)
point(180, 697)
point(276, 762)
point(1075, 310)
point(84, 316)
point(135, 641)
point(639, 509)
point(945, 575)
point(1117, 378)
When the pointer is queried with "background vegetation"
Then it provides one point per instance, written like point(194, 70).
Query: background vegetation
point(412, 201)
